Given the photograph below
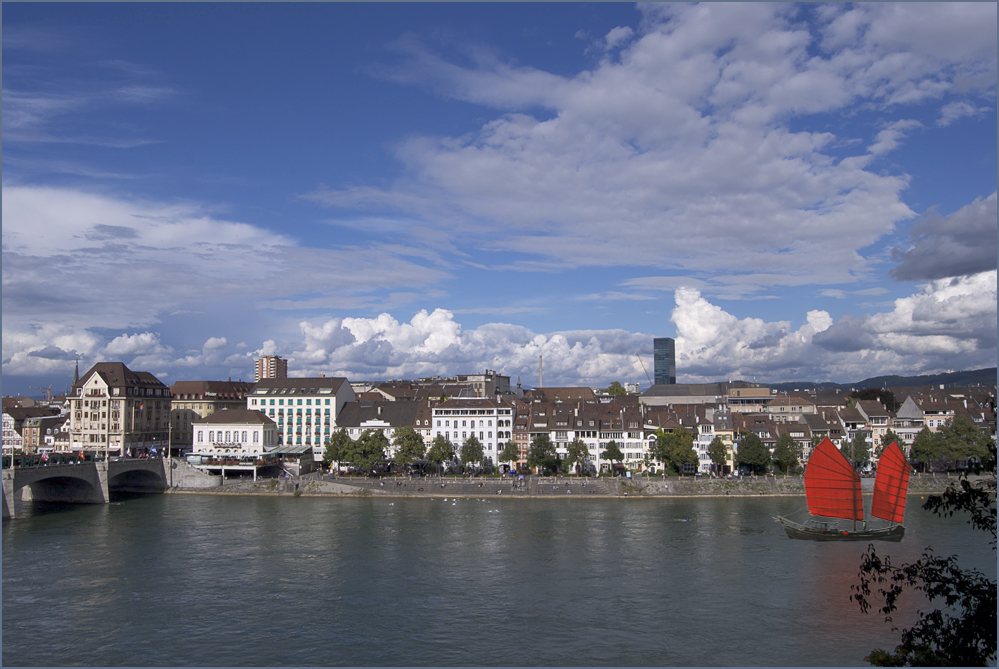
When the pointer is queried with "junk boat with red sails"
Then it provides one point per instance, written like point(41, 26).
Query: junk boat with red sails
point(832, 489)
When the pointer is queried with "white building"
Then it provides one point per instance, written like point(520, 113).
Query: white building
point(234, 432)
point(305, 409)
point(489, 420)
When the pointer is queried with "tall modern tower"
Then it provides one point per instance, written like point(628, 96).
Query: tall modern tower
point(664, 354)
point(271, 367)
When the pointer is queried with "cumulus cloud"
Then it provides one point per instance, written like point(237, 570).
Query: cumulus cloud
point(944, 246)
point(949, 324)
point(682, 139)
point(957, 110)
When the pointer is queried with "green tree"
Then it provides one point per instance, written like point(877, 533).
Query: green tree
point(787, 453)
point(675, 449)
point(861, 450)
point(615, 388)
point(883, 396)
point(960, 439)
point(471, 452)
point(925, 448)
point(409, 446)
point(542, 453)
point(886, 440)
point(577, 454)
point(336, 447)
point(368, 450)
point(441, 451)
point(612, 452)
point(753, 452)
point(964, 634)
point(510, 452)
point(718, 454)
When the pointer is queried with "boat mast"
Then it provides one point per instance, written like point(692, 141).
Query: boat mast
point(853, 466)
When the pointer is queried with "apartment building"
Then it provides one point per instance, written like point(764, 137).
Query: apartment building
point(490, 420)
point(116, 411)
point(305, 409)
point(270, 367)
point(194, 400)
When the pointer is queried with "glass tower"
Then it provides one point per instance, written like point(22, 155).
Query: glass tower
point(664, 354)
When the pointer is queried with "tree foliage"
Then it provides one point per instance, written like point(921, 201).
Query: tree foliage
point(542, 454)
point(368, 450)
point(336, 447)
point(510, 452)
point(615, 388)
point(409, 446)
point(612, 452)
point(718, 453)
point(886, 440)
point(675, 449)
point(861, 450)
point(471, 452)
point(441, 451)
point(882, 395)
point(964, 633)
point(787, 453)
point(958, 439)
point(577, 454)
point(753, 452)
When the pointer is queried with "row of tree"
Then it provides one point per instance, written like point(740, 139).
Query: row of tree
point(960, 439)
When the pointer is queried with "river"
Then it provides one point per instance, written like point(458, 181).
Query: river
point(175, 580)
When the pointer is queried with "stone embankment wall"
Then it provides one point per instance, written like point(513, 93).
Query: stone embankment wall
point(765, 485)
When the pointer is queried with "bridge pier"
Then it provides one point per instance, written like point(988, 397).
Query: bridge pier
point(8, 493)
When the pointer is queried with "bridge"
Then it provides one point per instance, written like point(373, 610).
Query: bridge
point(83, 482)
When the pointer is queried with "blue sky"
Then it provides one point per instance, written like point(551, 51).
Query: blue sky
point(794, 192)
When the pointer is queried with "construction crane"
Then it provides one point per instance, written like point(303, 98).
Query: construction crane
point(644, 370)
point(48, 391)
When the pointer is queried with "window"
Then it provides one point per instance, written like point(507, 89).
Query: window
point(272, 402)
point(255, 437)
point(308, 402)
point(244, 436)
point(327, 402)
point(211, 435)
point(299, 402)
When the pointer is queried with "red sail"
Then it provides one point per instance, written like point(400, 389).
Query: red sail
point(890, 485)
point(832, 487)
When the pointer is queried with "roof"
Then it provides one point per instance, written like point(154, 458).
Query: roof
point(394, 414)
point(117, 375)
point(220, 389)
point(229, 416)
point(289, 449)
point(321, 385)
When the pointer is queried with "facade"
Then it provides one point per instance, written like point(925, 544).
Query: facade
point(386, 416)
point(235, 432)
point(116, 411)
point(193, 400)
point(270, 367)
point(664, 357)
point(305, 409)
point(489, 420)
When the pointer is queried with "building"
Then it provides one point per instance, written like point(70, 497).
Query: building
point(199, 399)
point(305, 409)
point(489, 420)
point(270, 367)
point(116, 411)
point(664, 355)
point(236, 432)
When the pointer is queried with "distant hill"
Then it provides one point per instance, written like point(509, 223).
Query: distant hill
point(976, 377)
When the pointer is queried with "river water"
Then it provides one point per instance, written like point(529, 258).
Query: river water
point(174, 580)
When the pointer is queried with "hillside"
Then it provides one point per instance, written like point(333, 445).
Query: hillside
point(977, 377)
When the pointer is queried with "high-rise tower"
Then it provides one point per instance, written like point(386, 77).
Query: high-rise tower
point(271, 367)
point(664, 354)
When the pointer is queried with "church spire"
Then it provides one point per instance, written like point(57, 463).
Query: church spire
point(76, 372)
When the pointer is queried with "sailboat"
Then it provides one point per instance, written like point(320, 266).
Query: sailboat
point(832, 489)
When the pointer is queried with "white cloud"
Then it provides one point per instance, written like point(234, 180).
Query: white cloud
point(957, 110)
point(96, 260)
point(683, 139)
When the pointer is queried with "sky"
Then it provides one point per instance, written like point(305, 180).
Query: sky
point(385, 191)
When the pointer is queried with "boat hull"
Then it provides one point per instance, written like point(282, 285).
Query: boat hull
point(799, 531)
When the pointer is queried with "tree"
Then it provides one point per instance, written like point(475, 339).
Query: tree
point(718, 454)
point(886, 440)
point(577, 454)
point(675, 449)
point(441, 451)
point(925, 448)
point(368, 450)
point(336, 447)
point(787, 453)
point(542, 454)
point(753, 452)
point(883, 396)
point(861, 451)
point(965, 633)
point(612, 452)
point(960, 439)
point(615, 388)
point(471, 452)
point(409, 446)
point(510, 452)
